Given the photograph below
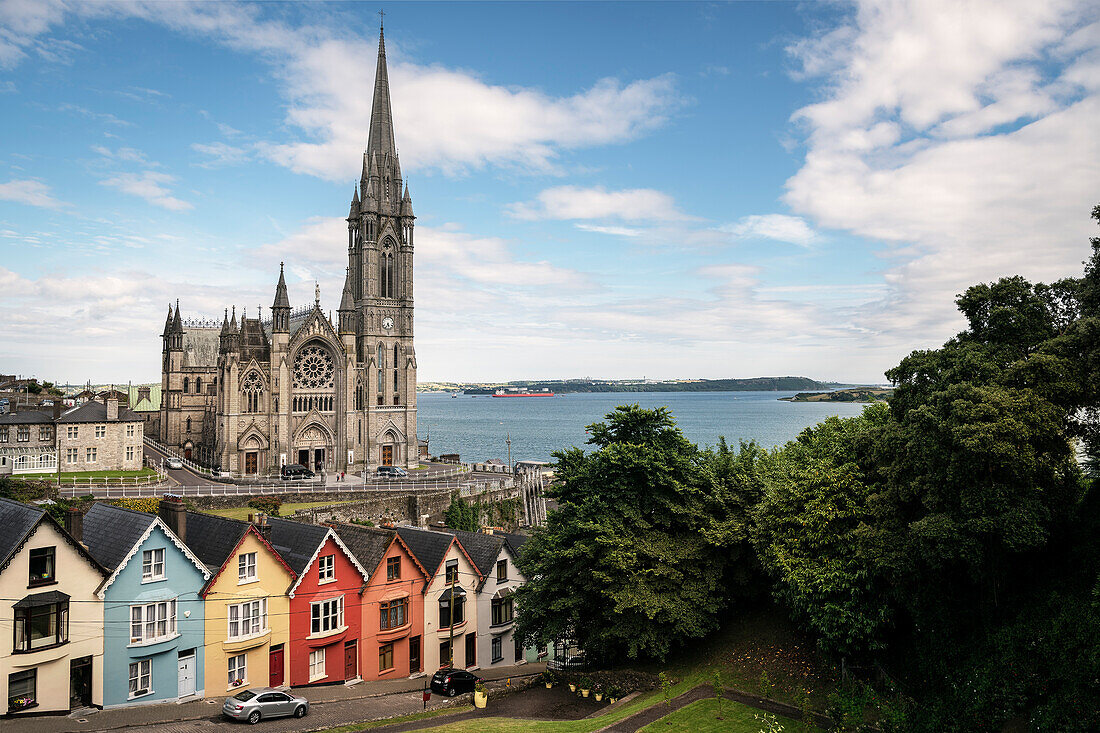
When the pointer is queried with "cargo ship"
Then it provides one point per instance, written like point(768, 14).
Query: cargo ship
point(515, 393)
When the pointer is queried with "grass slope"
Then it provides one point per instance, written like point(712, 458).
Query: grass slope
point(715, 716)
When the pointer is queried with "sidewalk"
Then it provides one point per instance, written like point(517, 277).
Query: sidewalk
point(201, 709)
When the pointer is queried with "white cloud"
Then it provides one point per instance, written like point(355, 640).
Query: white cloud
point(28, 191)
point(220, 154)
point(615, 231)
point(947, 134)
point(149, 185)
point(779, 227)
point(573, 202)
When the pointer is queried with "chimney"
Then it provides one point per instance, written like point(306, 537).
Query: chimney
point(112, 408)
point(263, 526)
point(74, 523)
point(173, 512)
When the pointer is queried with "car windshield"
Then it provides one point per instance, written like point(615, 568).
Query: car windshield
point(244, 696)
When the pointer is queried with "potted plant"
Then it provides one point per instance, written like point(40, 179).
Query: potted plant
point(586, 686)
point(548, 678)
point(572, 685)
point(613, 694)
point(598, 692)
point(20, 703)
point(481, 696)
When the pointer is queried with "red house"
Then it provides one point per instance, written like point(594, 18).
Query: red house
point(325, 610)
point(392, 602)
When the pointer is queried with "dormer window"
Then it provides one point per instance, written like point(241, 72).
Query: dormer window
point(152, 565)
point(326, 568)
point(246, 567)
point(42, 566)
point(393, 568)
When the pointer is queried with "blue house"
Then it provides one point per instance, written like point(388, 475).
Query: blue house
point(152, 611)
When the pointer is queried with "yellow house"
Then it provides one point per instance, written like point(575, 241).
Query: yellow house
point(246, 606)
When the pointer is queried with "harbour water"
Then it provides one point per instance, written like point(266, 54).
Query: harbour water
point(477, 427)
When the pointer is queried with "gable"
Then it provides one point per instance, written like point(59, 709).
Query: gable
point(332, 544)
point(176, 557)
point(271, 570)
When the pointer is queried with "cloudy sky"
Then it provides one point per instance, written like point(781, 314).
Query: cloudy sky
point(614, 190)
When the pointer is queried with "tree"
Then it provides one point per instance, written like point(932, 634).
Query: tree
point(636, 558)
point(461, 515)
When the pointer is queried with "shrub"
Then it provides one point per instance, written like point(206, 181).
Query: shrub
point(267, 504)
point(143, 504)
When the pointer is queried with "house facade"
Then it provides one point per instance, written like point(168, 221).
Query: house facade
point(152, 606)
point(496, 562)
point(100, 436)
point(27, 443)
point(51, 628)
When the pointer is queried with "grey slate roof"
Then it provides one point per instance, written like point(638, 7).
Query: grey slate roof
point(483, 549)
point(429, 546)
point(16, 522)
point(295, 541)
point(514, 540)
point(212, 538)
point(30, 417)
point(368, 544)
point(93, 411)
point(110, 532)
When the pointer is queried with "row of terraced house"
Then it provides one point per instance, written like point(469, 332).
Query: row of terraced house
point(120, 607)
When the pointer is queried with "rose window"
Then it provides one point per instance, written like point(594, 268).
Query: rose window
point(313, 369)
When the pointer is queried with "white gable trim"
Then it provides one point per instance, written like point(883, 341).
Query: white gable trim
point(157, 522)
point(343, 548)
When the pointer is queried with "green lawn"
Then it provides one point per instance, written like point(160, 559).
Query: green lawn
point(401, 719)
point(710, 715)
point(84, 475)
point(242, 512)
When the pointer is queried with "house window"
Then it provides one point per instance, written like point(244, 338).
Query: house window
point(152, 564)
point(101, 431)
point(326, 568)
point(248, 618)
point(498, 651)
point(385, 657)
point(502, 571)
point(141, 678)
point(72, 432)
point(45, 433)
point(152, 622)
point(327, 615)
point(393, 613)
point(502, 611)
point(393, 568)
point(246, 567)
point(71, 454)
point(37, 627)
point(42, 566)
point(129, 431)
point(316, 665)
point(452, 571)
point(129, 452)
point(4, 434)
point(445, 609)
point(23, 433)
point(22, 689)
point(238, 668)
point(89, 455)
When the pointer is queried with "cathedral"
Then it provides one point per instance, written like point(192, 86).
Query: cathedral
point(254, 394)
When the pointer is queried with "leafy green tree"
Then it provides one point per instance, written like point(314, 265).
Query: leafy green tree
point(462, 515)
point(635, 560)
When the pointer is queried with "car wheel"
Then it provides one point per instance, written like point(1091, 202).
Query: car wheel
point(254, 717)
point(452, 691)
point(300, 711)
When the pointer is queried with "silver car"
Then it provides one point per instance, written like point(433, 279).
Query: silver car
point(258, 703)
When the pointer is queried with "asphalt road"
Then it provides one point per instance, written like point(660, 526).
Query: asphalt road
point(181, 476)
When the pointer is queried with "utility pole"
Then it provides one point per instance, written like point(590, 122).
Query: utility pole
point(508, 441)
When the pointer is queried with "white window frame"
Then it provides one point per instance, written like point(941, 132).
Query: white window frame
point(72, 455)
point(129, 431)
point(317, 665)
point(152, 623)
point(72, 432)
point(90, 455)
point(141, 672)
point(326, 568)
point(247, 619)
point(152, 565)
point(129, 452)
point(326, 615)
point(101, 431)
point(238, 669)
point(246, 568)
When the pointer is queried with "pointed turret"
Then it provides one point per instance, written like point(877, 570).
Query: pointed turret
point(406, 203)
point(175, 331)
point(280, 309)
point(177, 322)
point(354, 212)
point(168, 321)
point(380, 139)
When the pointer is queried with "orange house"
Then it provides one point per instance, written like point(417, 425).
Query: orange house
point(392, 602)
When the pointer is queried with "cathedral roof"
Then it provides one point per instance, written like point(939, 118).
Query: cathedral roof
point(200, 347)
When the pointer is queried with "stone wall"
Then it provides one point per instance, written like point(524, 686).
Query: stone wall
point(111, 452)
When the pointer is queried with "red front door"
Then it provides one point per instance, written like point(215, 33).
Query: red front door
point(351, 660)
point(276, 677)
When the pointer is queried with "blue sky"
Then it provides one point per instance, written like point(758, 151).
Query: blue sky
point(602, 189)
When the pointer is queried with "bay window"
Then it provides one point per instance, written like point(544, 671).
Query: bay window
point(152, 622)
point(393, 613)
point(327, 615)
point(40, 625)
point(248, 618)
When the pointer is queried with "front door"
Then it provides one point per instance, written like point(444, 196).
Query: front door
point(414, 655)
point(250, 462)
point(445, 655)
point(186, 674)
point(471, 649)
point(318, 459)
point(187, 454)
point(303, 457)
point(80, 682)
point(387, 455)
point(351, 660)
point(276, 664)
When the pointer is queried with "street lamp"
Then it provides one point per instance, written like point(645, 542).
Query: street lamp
point(508, 441)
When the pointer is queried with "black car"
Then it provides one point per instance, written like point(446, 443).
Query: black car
point(450, 682)
point(294, 471)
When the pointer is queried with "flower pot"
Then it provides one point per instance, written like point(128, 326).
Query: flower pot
point(599, 696)
point(549, 685)
point(572, 687)
point(480, 698)
point(612, 700)
point(584, 693)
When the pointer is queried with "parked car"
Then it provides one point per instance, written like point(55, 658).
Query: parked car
point(392, 471)
point(574, 663)
point(450, 682)
point(258, 703)
point(174, 463)
point(295, 471)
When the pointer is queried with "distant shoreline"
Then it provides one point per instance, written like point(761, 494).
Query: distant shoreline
point(754, 384)
point(855, 394)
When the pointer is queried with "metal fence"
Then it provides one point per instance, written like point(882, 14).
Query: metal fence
point(465, 488)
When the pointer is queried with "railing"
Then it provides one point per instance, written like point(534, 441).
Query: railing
point(187, 462)
point(465, 488)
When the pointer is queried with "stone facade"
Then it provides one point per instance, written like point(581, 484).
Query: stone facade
point(297, 387)
point(27, 443)
point(100, 437)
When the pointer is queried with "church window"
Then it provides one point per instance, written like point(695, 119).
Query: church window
point(186, 384)
point(189, 425)
point(387, 281)
point(252, 388)
point(313, 368)
point(198, 385)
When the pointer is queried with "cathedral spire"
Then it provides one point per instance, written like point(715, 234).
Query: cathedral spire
point(380, 139)
point(281, 298)
point(177, 322)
